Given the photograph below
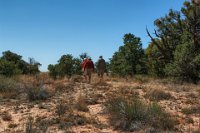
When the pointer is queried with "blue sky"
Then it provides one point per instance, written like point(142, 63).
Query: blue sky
point(47, 29)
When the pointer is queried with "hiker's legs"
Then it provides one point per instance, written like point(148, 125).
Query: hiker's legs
point(101, 73)
point(89, 75)
point(89, 78)
point(85, 74)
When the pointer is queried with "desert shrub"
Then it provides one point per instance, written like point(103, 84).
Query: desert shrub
point(8, 84)
point(33, 127)
point(61, 87)
point(42, 126)
point(6, 116)
point(61, 108)
point(12, 125)
point(191, 110)
point(133, 114)
point(189, 120)
point(37, 94)
point(73, 119)
point(81, 104)
point(102, 83)
point(198, 91)
point(29, 125)
point(158, 118)
point(141, 78)
point(9, 88)
point(77, 78)
point(196, 131)
point(78, 119)
point(157, 95)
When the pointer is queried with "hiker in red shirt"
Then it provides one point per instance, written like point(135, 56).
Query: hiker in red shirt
point(88, 67)
point(83, 67)
point(83, 63)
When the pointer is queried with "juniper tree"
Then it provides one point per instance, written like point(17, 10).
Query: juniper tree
point(128, 59)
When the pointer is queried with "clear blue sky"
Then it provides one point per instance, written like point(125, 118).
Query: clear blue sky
point(47, 29)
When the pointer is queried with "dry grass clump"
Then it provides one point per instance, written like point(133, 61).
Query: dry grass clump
point(141, 78)
point(9, 88)
point(196, 131)
point(134, 115)
point(6, 116)
point(36, 127)
point(102, 83)
point(158, 94)
point(191, 110)
point(139, 87)
point(77, 78)
point(189, 120)
point(94, 98)
point(62, 86)
point(74, 119)
point(81, 103)
point(44, 77)
point(127, 90)
point(61, 109)
point(37, 93)
point(12, 125)
point(198, 90)
point(193, 95)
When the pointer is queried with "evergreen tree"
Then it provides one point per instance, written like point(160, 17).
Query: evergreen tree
point(128, 59)
point(179, 42)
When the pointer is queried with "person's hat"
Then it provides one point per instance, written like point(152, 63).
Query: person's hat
point(101, 57)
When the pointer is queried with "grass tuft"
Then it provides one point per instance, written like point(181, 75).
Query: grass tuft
point(37, 94)
point(158, 95)
point(133, 114)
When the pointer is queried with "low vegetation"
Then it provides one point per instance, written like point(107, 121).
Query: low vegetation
point(133, 114)
point(6, 116)
point(37, 94)
point(61, 109)
point(32, 126)
point(9, 88)
point(157, 95)
point(191, 110)
point(81, 103)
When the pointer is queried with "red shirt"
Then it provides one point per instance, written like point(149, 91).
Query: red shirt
point(83, 63)
point(89, 64)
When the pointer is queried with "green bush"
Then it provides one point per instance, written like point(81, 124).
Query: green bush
point(129, 59)
point(12, 64)
point(67, 66)
point(186, 63)
point(8, 68)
